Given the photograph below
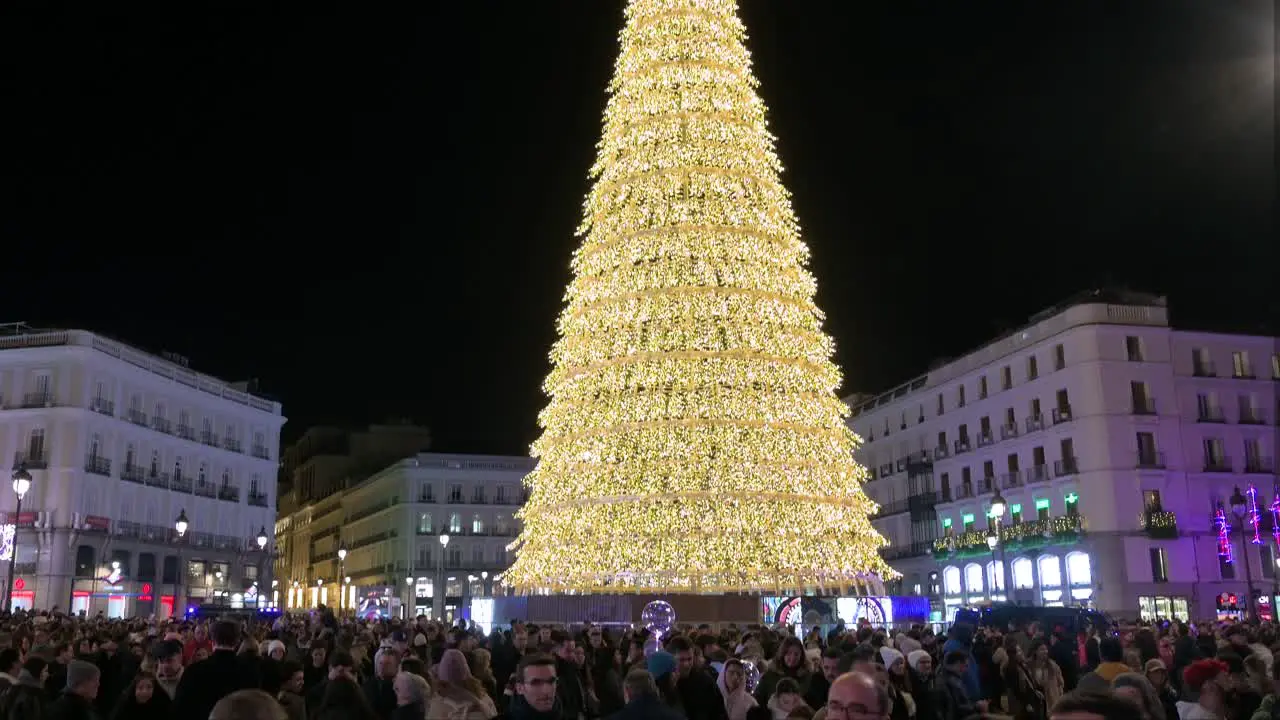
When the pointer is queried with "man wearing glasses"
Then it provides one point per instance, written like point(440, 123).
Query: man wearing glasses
point(535, 697)
point(857, 696)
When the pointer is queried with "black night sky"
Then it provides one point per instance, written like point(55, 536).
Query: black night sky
point(373, 214)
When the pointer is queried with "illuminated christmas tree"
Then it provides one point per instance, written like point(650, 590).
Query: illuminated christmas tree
point(694, 441)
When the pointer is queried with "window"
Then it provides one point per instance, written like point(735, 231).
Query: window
point(1207, 408)
point(951, 580)
point(1023, 577)
point(1133, 348)
point(95, 446)
point(1033, 368)
point(966, 521)
point(1059, 357)
point(1035, 409)
point(982, 387)
point(942, 406)
point(1202, 363)
point(1006, 377)
point(1240, 365)
point(960, 396)
point(966, 481)
point(1141, 397)
point(973, 579)
point(1226, 568)
point(424, 523)
point(988, 473)
point(1072, 503)
point(1253, 455)
point(1042, 509)
point(1215, 455)
point(1159, 565)
point(1151, 501)
point(1050, 571)
point(1275, 366)
point(1079, 569)
point(946, 486)
point(1268, 558)
point(455, 523)
point(942, 442)
point(1015, 513)
point(964, 435)
point(1148, 456)
point(501, 498)
point(455, 493)
point(995, 576)
point(477, 525)
point(130, 457)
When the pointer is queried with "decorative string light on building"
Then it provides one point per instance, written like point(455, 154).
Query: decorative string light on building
point(1255, 517)
point(694, 441)
point(1275, 517)
point(1224, 534)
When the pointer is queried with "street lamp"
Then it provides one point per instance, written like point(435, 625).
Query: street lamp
point(342, 570)
point(1240, 508)
point(437, 600)
point(262, 538)
point(180, 526)
point(21, 484)
point(998, 506)
point(408, 582)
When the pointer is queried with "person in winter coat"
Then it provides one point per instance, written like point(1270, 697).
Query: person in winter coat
point(1158, 676)
point(412, 692)
point(1099, 679)
point(224, 672)
point(643, 700)
point(1045, 672)
point(27, 699)
point(458, 696)
point(143, 700)
point(789, 662)
point(1210, 680)
point(534, 690)
point(920, 666)
point(76, 701)
point(732, 683)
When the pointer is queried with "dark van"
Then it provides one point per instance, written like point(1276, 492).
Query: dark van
point(1072, 620)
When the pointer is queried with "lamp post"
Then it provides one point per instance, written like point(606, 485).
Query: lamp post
point(998, 506)
point(342, 572)
point(437, 597)
point(262, 550)
point(21, 484)
point(409, 608)
point(1240, 509)
point(180, 526)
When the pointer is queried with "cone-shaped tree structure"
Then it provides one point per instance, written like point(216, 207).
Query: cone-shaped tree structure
point(694, 441)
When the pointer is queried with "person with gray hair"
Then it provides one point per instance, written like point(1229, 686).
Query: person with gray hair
point(643, 701)
point(412, 692)
point(1139, 690)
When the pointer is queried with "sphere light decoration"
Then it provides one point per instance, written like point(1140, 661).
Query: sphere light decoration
point(659, 617)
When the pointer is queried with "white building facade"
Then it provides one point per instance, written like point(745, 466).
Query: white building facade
point(118, 444)
point(391, 526)
point(1112, 439)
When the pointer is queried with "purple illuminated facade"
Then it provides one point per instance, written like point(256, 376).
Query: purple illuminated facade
point(1113, 440)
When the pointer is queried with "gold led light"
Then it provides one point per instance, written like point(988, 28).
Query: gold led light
point(694, 441)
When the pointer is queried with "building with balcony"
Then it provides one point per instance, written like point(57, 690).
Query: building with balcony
point(390, 527)
point(1112, 438)
point(119, 443)
point(315, 472)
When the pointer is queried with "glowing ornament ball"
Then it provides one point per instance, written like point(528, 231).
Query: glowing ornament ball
point(659, 617)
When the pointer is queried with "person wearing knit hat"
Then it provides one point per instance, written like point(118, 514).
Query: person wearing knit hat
point(660, 663)
point(915, 657)
point(276, 650)
point(890, 656)
point(81, 690)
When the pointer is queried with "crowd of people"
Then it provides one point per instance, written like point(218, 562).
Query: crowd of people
point(316, 666)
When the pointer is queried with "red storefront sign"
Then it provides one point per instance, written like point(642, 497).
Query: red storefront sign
point(26, 518)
